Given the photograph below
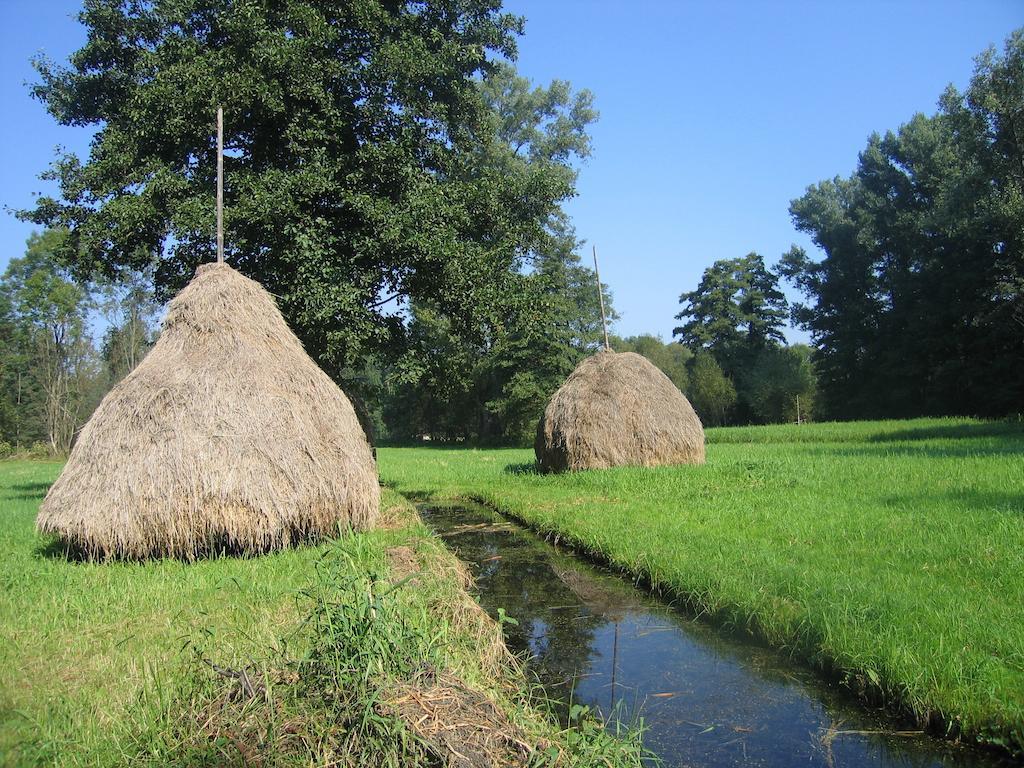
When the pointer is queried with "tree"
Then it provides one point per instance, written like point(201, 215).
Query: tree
point(781, 385)
point(736, 307)
point(54, 368)
point(12, 366)
point(917, 305)
point(360, 155)
point(490, 383)
point(735, 315)
point(131, 313)
point(711, 392)
point(454, 387)
point(438, 388)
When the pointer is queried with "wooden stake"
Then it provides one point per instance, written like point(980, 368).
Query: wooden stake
point(600, 295)
point(220, 185)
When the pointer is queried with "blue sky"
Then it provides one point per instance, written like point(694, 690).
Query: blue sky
point(714, 115)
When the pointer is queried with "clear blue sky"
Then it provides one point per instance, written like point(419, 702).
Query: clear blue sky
point(714, 115)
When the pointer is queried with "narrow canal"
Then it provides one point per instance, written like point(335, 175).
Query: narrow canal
point(705, 699)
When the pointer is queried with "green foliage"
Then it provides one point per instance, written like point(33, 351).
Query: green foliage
point(489, 383)
point(493, 386)
point(780, 385)
point(711, 393)
point(49, 373)
point(131, 312)
point(559, 325)
point(918, 304)
point(734, 324)
point(736, 308)
point(363, 159)
point(887, 553)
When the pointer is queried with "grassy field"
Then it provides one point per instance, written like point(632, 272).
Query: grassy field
point(888, 553)
point(313, 656)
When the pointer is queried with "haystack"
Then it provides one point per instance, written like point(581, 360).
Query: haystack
point(617, 409)
point(226, 437)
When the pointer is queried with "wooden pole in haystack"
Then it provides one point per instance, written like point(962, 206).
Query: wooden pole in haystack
point(600, 295)
point(220, 185)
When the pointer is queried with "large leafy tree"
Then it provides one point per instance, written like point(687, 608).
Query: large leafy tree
point(492, 383)
point(736, 308)
point(917, 305)
point(360, 162)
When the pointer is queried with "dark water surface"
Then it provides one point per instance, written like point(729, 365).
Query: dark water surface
point(706, 699)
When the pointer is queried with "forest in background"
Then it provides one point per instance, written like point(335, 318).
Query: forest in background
point(403, 201)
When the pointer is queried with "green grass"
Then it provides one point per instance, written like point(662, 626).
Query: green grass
point(888, 553)
point(110, 663)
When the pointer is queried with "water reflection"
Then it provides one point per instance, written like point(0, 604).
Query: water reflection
point(706, 699)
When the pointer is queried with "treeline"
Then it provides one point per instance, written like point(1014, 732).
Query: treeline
point(52, 371)
point(917, 307)
point(741, 371)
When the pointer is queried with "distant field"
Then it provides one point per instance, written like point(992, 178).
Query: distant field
point(890, 553)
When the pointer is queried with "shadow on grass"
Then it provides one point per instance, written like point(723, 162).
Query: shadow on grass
point(24, 491)
point(416, 496)
point(522, 468)
point(37, 487)
point(961, 450)
point(57, 549)
point(1007, 429)
point(54, 547)
point(990, 501)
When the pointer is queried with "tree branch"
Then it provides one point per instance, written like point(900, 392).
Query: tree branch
point(382, 302)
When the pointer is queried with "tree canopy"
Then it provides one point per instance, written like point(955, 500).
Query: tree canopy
point(736, 306)
point(364, 161)
point(917, 306)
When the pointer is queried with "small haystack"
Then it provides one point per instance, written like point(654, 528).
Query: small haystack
point(227, 437)
point(617, 409)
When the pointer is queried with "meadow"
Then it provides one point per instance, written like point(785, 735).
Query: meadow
point(888, 554)
point(325, 655)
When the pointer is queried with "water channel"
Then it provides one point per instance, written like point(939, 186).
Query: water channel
point(706, 699)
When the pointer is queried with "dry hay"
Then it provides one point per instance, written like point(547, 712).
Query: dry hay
point(463, 727)
point(404, 564)
point(226, 437)
point(618, 409)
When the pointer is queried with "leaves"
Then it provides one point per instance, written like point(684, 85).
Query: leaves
point(737, 305)
point(917, 306)
point(359, 156)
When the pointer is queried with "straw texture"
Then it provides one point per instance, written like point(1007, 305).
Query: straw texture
point(618, 409)
point(226, 437)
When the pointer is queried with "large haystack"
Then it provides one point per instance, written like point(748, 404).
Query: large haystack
point(227, 437)
point(617, 409)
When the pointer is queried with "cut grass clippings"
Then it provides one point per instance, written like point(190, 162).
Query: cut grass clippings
point(352, 652)
point(890, 554)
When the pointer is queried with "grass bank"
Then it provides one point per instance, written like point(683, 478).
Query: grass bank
point(888, 553)
point(366, 650)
